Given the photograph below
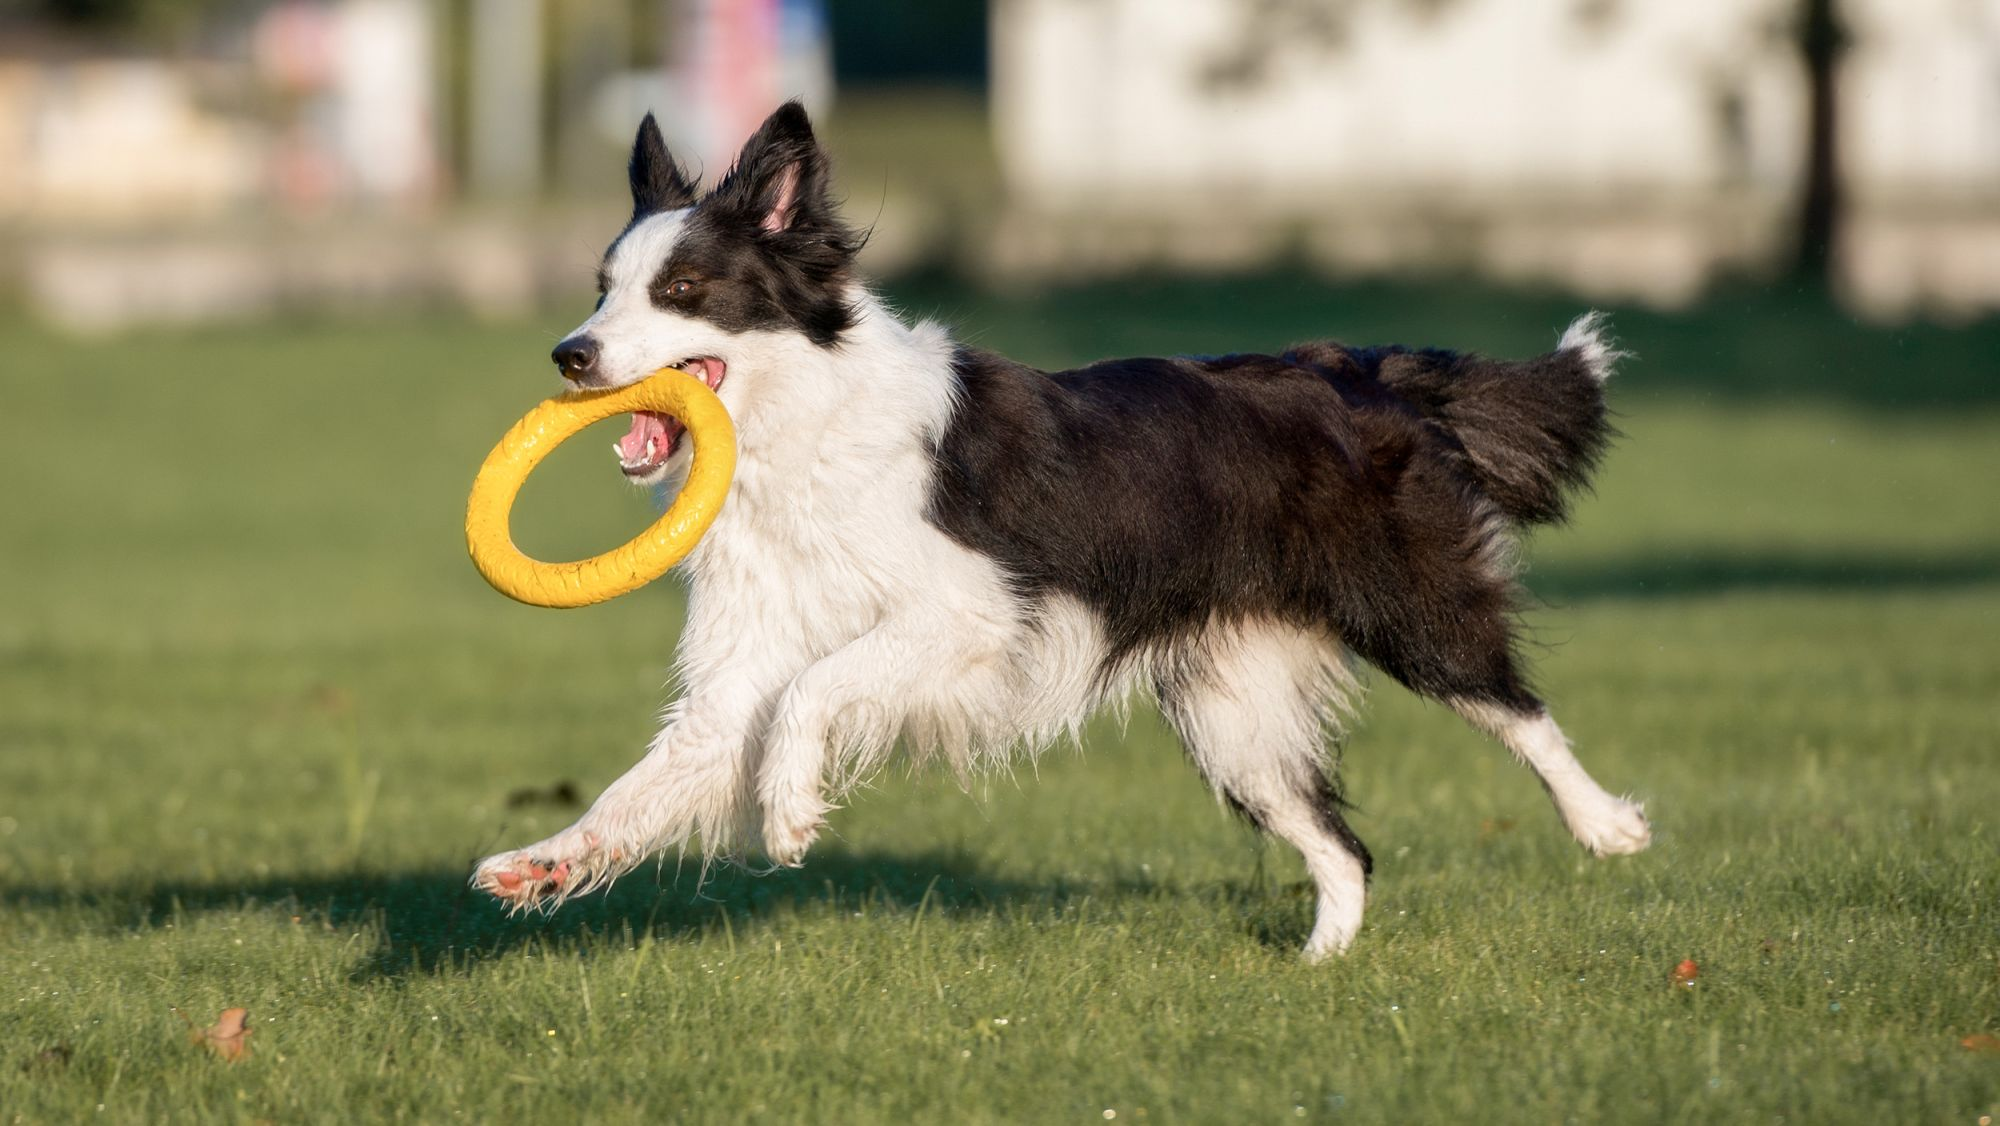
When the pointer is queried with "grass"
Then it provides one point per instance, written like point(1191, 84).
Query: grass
point(257, 714)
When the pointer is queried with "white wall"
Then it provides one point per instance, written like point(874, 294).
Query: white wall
point(1636, 154)
point(1922, 97)
point(1109, 95)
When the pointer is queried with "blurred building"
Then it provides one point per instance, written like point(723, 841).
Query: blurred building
point(1623, 148)
point(306, 105)
point(323, 153)
point(1920, 155)
point(315, 153)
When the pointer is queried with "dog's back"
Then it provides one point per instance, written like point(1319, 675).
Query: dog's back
point(1329, 487)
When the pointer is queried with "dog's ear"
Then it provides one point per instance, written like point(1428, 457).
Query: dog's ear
point(658, 184)
point(779, 181)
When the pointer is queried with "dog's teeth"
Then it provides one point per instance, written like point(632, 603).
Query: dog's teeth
point(619, 452)
point(651, 444)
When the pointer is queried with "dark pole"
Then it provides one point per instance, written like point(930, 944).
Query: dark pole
point(1821, 39)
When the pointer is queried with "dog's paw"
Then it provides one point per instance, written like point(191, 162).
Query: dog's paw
point(1320, 947)
point(786, 842)
point(792, 821)
point(1336, 921)
point(544, 875)
point(522, 879)
point(1619, 828)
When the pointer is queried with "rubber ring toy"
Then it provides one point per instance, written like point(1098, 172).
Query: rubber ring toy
point(648, 555)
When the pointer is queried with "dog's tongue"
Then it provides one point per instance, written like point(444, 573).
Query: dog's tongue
point(662, 430)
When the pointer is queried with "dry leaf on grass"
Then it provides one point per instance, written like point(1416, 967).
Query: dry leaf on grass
point(228, 1037)
point(1984, 1042)
point(1686, 972)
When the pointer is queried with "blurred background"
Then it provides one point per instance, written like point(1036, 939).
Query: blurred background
point(193, 161)
point(274, 276)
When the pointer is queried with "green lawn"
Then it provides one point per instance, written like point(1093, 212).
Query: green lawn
point(258, 714)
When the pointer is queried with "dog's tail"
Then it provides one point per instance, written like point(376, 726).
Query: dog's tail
point(1531, 429)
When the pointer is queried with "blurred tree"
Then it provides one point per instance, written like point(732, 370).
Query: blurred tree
point(1822, 38)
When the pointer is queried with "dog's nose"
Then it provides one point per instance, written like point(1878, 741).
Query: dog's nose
point(576, 357)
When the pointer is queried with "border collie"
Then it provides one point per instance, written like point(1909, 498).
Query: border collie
point(932, 545)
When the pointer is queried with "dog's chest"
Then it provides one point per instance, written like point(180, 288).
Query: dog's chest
point(798, 545)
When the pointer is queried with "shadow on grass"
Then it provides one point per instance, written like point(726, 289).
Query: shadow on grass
point(434, 922)
point(1721, 573)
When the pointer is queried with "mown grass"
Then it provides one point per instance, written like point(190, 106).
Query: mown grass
point(257, 714)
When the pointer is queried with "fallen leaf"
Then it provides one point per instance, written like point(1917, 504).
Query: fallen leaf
point(1686, 972)
point(1494, 826)
point(1984, 1042)
point(229, 1037)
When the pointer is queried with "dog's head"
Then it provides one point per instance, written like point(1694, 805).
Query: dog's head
point(715, 283)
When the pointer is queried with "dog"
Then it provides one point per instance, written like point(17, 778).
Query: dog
point(932, 546)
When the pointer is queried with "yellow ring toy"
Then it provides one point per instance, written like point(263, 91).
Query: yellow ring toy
point(649, 555)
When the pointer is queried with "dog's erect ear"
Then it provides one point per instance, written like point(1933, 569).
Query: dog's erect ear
point(779, 180)
point(657, 182)
point(776, 195)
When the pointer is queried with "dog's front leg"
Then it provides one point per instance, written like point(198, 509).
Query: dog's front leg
point(855, 699)
point(694, 780)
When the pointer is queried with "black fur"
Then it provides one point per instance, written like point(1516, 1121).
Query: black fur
point(1532, 430)
point(1323, 795)
point(744, 274)
point(1307, 488)
point(1330, 806)
point(658, 184)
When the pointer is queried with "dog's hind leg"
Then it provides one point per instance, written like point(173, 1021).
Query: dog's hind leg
point(1253, 705)
point(1600, 822)
point(1447, 636)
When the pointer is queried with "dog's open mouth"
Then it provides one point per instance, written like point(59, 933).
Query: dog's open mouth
point(655, 437)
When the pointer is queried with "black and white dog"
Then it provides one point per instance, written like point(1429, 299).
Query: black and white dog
point(929, 543)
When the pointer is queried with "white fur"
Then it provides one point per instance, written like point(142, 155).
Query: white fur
point(1589, 337)
point(1254, 712)
point(1606, 825)
point(828, 619)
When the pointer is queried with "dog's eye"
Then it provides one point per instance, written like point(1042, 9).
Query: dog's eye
point(680, 287)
